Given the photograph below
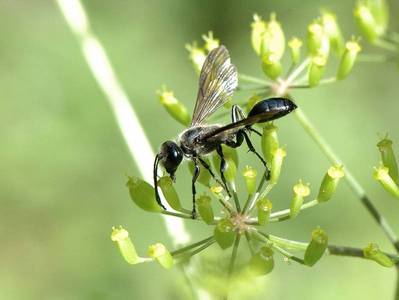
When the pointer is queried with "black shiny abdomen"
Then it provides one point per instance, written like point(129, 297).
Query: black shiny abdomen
point(271, 109)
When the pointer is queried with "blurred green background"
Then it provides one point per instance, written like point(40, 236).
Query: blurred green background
point(63, 161)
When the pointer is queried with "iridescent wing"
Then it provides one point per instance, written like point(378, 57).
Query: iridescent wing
point(217, 83)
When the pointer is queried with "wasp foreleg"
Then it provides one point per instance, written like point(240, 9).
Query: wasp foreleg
point(194, 179)
point(219, 150)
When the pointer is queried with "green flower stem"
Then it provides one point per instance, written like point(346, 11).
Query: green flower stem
point(248, 238)
point(296, 85)
point(226, 205)
point(264, 238)
point(377, 58)
point(258, 195)
point(251, 87)
point(251, 79)
point(235, 197)
point(288, 254)
point(252, 199)
point(287, 244)
point(387, 45)
point(352, 181)
point(176, 214)
point(331, 249)
point(198, 250)
point(283, 215)
point(189, 247)
point(247, 203)
point(233, 255)
point(297, 71)
point(354, 252)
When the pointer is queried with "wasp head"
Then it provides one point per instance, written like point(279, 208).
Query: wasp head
point(170, 156)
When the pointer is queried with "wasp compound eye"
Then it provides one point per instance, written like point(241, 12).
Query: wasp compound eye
point(171, 156)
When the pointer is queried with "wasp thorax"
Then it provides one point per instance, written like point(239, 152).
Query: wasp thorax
point(171, 157)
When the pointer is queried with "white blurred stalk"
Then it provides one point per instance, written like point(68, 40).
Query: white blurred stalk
point(125, 116)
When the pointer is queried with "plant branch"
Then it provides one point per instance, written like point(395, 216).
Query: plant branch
point(192, 246)
point(284, 214)
point(233, 255)
point(252, 79)
point(350, 179)
point(125, 116)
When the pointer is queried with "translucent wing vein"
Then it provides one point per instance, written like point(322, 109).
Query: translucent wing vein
point(218, 80)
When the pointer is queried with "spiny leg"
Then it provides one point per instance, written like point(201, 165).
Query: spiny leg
point(208, 167)
point(194, 179)
point(252, 149)
point(219, 150)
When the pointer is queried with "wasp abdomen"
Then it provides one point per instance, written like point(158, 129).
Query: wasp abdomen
point(272, 108)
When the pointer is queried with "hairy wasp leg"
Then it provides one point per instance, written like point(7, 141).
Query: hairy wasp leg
point(208, 167)
point(194, 179)
point(219, 150)
point(252, 149)
point(155, 177)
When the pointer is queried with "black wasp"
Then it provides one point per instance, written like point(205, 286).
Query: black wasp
point(217, 82)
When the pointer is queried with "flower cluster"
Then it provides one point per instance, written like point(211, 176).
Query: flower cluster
point(232, 217)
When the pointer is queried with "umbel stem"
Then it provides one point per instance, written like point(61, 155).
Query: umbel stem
point(351, 180)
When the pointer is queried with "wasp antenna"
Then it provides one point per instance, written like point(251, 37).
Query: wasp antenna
point(155, 176)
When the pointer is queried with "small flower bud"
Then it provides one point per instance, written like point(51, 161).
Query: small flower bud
point(174, 107)
point(269, 141)
point(121, 237)
point(316, 247)
point(316, 70)
point(295, 45)
point(205, 209)
point(262, 262)
point(277, 163)
point(224, 233)
point(330, 182)
point(317, 40)
point(166, 185)
point(388, 158)
point(300, 192)
point(210, 42)
point(264, 207)
point(249, 175)
point(216, 189)
point(230, 171)
point(273, 39)
point(380, 12)
point(204, 176)
point(142, 194)
point(271, 66)
point(333, 31)
point(374, 253)
point(366, 22)
point(197, 56)
point(258, 28)
point(348, 58)
point(382, 175)
point(159, 252)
